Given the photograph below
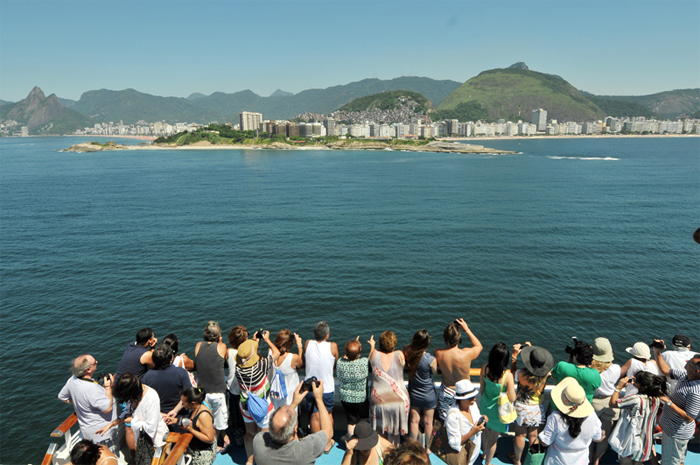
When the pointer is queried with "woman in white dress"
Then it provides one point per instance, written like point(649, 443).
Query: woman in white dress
point(640, 361)
point(570, 431)
point(287, 365)
point(462, 422)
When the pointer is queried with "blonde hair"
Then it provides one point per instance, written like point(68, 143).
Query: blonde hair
point(600, 366)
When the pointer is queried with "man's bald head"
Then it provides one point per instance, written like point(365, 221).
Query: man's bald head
point(82, 365)
point(283, 424)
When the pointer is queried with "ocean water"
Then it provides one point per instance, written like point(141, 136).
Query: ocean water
point(580, 237)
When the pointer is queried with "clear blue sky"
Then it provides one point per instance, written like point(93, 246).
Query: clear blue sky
point(175, 48)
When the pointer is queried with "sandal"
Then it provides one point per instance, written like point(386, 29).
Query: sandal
point(326, 452)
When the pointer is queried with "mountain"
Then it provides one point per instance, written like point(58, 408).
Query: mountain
point(388, 101)
point(513, 93)
point(518, 65)
point(618, 108)
point(3, 102)
point(319, 100)
point(44, 115)
point(130, 106)
point(668, 104)
point(281, 93)
point(66, 102)
point(195, 96)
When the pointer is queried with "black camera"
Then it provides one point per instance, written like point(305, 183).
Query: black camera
point(259, 334)
point(570, 350)
point(101, 378)
point(308, 383)
point(657, 345)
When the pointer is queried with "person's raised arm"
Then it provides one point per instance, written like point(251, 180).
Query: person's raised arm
point(299, 395)
point(476, 345)
point(326, 422)
point(510, 386)
point(372, 343)
point(273, 347)
point(108, 383)
point(660, 362)
point(298, 358)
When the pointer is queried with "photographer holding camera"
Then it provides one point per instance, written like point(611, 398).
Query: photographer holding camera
point(579, 368)
point(281, 445)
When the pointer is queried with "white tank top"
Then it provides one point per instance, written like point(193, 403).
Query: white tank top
point(291, 381)
point(319, 363)
point(635, 367)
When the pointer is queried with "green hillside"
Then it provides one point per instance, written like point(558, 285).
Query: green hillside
point(44, 115)
point(668, 104)
point(619, 108)
point(130, 106)
point(388, 101)
point(513, 93)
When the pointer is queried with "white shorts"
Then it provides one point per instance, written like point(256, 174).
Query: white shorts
point(219, 410)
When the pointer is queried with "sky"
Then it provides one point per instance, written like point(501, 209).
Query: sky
point(176, 48)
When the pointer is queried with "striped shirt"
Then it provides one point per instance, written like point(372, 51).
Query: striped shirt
point(687, 397)
point(649, 406)
point(254, 378)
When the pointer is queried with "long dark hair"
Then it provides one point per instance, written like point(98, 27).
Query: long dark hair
point(574, 425)
point(85, 452)
point(498, 361)
point(414, 351)
point(650, 384)
point(128, 388)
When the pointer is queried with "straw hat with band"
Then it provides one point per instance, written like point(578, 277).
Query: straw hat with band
point(247, 355)
point(464, 389)
point(537, 360)
point(366, 436)
point(640, 350)
point(570, 399)
point(602, 350)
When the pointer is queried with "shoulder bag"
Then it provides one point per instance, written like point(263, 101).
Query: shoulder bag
point(506, 409)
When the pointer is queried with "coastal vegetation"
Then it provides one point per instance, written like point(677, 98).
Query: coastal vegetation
point(389, 101)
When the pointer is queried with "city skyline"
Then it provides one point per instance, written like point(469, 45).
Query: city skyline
point(179, 48)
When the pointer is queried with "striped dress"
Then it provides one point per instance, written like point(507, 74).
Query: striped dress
point(649, 407)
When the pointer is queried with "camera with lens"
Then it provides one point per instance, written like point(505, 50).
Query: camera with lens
point(259, 334)
point(570, 350)
point(657, 345)
point(308, 384)
point(184, 422)
point(101, 378)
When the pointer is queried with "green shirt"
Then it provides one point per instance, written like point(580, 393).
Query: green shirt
point(588, 378)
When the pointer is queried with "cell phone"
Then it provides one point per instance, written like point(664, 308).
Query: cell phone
point(481, 420)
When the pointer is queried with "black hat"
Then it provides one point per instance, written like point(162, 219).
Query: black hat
point(537, 360)
point(680, 340)
point(365, 435)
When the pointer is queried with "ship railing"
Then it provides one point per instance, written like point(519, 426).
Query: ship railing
point(173, 453)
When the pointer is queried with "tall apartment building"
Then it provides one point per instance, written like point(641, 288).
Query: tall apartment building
point(250, 121)
point(539, 117)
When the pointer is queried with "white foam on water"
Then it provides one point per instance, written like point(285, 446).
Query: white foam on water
point(583, 158)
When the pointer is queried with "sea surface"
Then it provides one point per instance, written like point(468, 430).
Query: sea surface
point(573, 237)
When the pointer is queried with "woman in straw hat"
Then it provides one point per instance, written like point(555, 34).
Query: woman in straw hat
point(570, 431)
point(640, 361)
point(365, 446)
point(609, 374)
point(529, 399)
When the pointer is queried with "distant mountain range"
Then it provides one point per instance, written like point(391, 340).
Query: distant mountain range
point(44, 115)
point(510, 93)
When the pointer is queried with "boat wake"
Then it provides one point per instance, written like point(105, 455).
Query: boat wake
point(583, 158)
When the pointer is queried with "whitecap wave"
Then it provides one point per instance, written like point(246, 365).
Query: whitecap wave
point(553, 157)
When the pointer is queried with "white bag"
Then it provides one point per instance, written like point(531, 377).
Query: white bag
point(626, 438)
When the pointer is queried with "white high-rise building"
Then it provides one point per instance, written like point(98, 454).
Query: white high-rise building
point(250, 121)
point(539, 117)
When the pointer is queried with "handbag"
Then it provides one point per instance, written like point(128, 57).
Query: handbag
point(535, 454)
point(626, 437)
point(506, 409)
point(440, 446)
point(278, 386)
point(144, 449)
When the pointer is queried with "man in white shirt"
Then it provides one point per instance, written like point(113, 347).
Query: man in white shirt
point(94, 405)
point(677, 357)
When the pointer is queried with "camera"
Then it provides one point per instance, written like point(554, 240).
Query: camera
point(101, 378)
point(259, 334)
point(570, 350)
point(657, 345)
point(184, 422)
point(308, 384)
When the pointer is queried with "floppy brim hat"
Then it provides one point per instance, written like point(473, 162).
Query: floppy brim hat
point(366, 437)
point(464, 389)
point(640, 350)
point(247, 355)
point(602, 350)
point(537, 360)
point(570, 399)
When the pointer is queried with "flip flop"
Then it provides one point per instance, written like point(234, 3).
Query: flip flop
point(326, 452)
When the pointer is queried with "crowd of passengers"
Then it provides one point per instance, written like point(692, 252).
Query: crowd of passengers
point(237, 394)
